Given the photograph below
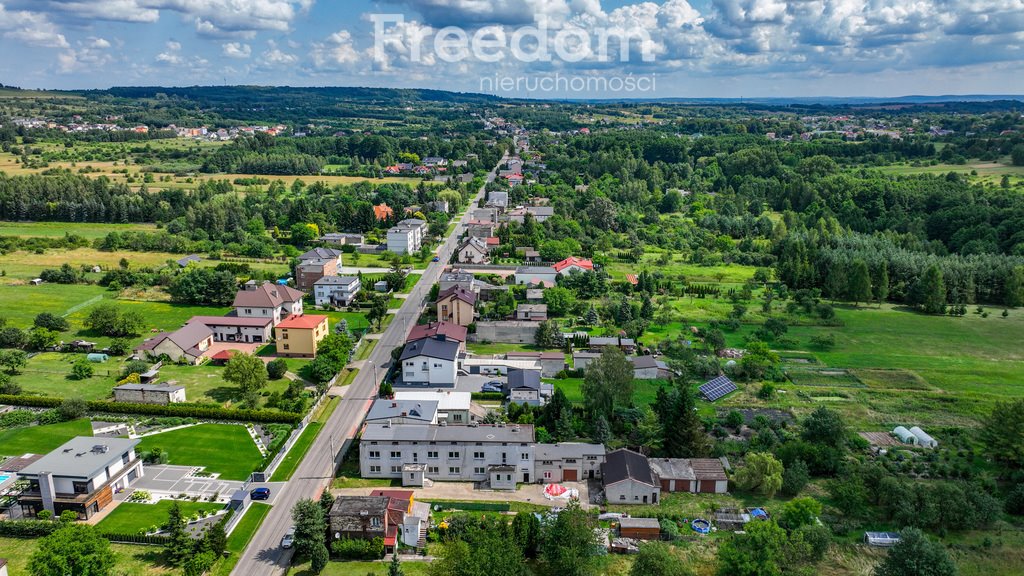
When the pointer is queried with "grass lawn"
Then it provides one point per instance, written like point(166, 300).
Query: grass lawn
point(356, 320)
point(501, 348)
point(644, 391)
point(240, 537)
point(41, 439)
point(21, 303)
point(364, 350)
point(206, 383)
point(301, 447)
point(222, 448)
point(48, 373)
point(728, 273)
point(132, 517)
point(987, 172)
point(130, 560)
point(25, 265)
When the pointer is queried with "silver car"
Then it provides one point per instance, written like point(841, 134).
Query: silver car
point(289, 538)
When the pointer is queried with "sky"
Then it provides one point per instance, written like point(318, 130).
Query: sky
point(524, 48)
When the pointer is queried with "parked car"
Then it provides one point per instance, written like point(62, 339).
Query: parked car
point(288, 539)
point(489, 388)
point(260, 494)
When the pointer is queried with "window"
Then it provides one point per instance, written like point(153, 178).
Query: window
point(635, 497)
point(547, 474)
point(479, 471)
point(396, 469)
point(437, 365)
point(431, 469)
point(454, 470)
point(285, 346)
point(374, 469)
point(124, 458)
point(80, 487)
point(478, 455)
point(375, 454)
point(570, 460)
point(396, 454)
point(524, 456)
point(432, 454)
point(375, 522)
point(454, 454)
point(248, 310)
point(591, 457)
point(456, 417)
point(622, 496)
point(284, 334)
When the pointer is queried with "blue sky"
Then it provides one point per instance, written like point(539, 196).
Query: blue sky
point(698, 48)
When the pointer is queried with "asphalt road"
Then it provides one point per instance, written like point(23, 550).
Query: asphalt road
point(264, 555)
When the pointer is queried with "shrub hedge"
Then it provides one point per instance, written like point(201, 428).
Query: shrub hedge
point(27, 528)
point(487, 396)
point(471, 506)
point(175, 410)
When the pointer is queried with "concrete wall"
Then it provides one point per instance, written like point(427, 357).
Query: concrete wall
point(506, 332)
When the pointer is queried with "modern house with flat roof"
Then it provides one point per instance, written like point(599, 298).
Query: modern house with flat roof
point(235, 329)
point(402, 411)
point(82, 475)
point(336, 290)
point(453, 407)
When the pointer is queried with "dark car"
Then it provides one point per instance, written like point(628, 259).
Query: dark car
point(491, 387)
point(260, 494)
point(436, 259)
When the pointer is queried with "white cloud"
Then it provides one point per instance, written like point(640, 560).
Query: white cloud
point(336, 52)
point(227, 16)
point(30, 28)
point(236, 50)
point(274, 57)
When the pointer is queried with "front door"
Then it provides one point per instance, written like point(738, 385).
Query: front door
point(645, 499)
point(526, 477)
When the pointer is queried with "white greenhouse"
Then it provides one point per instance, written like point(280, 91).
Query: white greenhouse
point(905, 436)
point(923, 439)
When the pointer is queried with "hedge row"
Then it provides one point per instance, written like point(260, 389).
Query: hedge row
point(176, 410)
point(136, 538)
point(487, 396)
point(27, 528)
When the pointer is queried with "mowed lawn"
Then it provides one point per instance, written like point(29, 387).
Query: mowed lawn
point(206, 383)
point(132, 517)
point(21, 303)
point(226, 449)
point(49, 374)
point(644, 391)
point(240, 537)
point(41, 439)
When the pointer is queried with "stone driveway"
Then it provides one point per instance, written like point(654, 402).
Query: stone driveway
point(166, 480)
point(247, 347)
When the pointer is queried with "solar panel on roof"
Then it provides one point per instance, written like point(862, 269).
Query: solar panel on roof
point(716, 388)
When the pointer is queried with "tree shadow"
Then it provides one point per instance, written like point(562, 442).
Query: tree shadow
point(224, 394)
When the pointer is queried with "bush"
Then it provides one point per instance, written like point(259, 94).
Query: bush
point(1015, 501)
point(348, 549)
point(26, 528)
point(17, 418)
point(276, 369)
point(119, 347)
point(72, 409)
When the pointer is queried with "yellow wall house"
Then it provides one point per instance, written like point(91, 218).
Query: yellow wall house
point(298, 335)
point(456, 305)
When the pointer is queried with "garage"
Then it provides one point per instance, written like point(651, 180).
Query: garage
point(570, 475)
point(706, 487)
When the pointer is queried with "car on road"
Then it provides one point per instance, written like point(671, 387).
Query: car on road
point(260, 494)
point(436, 259)
point(288, 539)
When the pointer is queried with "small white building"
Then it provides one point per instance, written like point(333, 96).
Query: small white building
point(149, 393)
point(535, 275)
point(923, 439)
point(430, 362)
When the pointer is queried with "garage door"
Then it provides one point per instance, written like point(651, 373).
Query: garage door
point(570, 475)
point(707, 487)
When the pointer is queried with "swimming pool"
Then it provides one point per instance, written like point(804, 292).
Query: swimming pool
point(4, 478)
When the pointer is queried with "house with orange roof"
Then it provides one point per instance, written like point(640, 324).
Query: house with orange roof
point(383, 211)
point(299, 334)
point(571, 264)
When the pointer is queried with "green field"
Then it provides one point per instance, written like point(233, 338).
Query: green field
point(240, 537)
point(644, 391)
point(987, 172)
point(226, 449)
point(205, 383)
point(90, 230)
point(41, 439)
point(380, 568)
point(132, 517)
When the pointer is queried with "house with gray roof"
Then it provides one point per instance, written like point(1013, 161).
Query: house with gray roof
point(188, 344)
point(430, 362)
point(149, 393)
point(82, 475)
point(629, 479)
point(403, 411)
point(336, 290)
point(267, 300)
point(535, 275)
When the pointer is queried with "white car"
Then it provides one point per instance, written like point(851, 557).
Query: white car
point(288, 539)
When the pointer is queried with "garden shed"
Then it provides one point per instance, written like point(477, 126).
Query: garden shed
point(904, 435)
point(640, 528)
point(97, 357)
point(923, 439)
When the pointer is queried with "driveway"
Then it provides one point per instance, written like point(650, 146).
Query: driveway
point(246, 347)
point(473, 382)
point(163, 480)
point(466, 491)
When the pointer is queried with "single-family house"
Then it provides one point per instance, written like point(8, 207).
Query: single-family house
point(454, 408)
point(316, 264)
point(535, 276)
point(497, 199)
point(582, 358)
point(473, 251)
point(456, 305)
point(430, 362)
point(343, 239)
point(480, 228)
point(629, 479)
point(447, 330)
point(188, 344)
point(149, 393)
point(299, 334)
point(532, 312)
point(484, 215)
point(336, 290)
point(551, 363)
point(572, 264)
point(383, 212)
point(539, 213)
point(534, 294)
point(464, 280)
point(433, 161)
point(523, 387)
point(568, 461)
point(649, 368)
point(267, 300)
point(362, 518)
point(82, 475)
point(407, 236)
point(627, 345)
point(412, 517)
point(236, 329)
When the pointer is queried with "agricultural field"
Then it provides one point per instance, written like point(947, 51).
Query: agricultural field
point(225, 449)
point(89, 230)
point(990, 173)
point(41, 439)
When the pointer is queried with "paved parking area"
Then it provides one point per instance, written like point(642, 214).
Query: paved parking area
point(162, 479)
point(473, 382)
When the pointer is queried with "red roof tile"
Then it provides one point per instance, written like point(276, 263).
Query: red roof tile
point(304, 321)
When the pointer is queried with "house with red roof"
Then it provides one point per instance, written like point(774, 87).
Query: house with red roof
point(571, 264)
point(383, 211)
point(299, 335)
point(448, 330)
